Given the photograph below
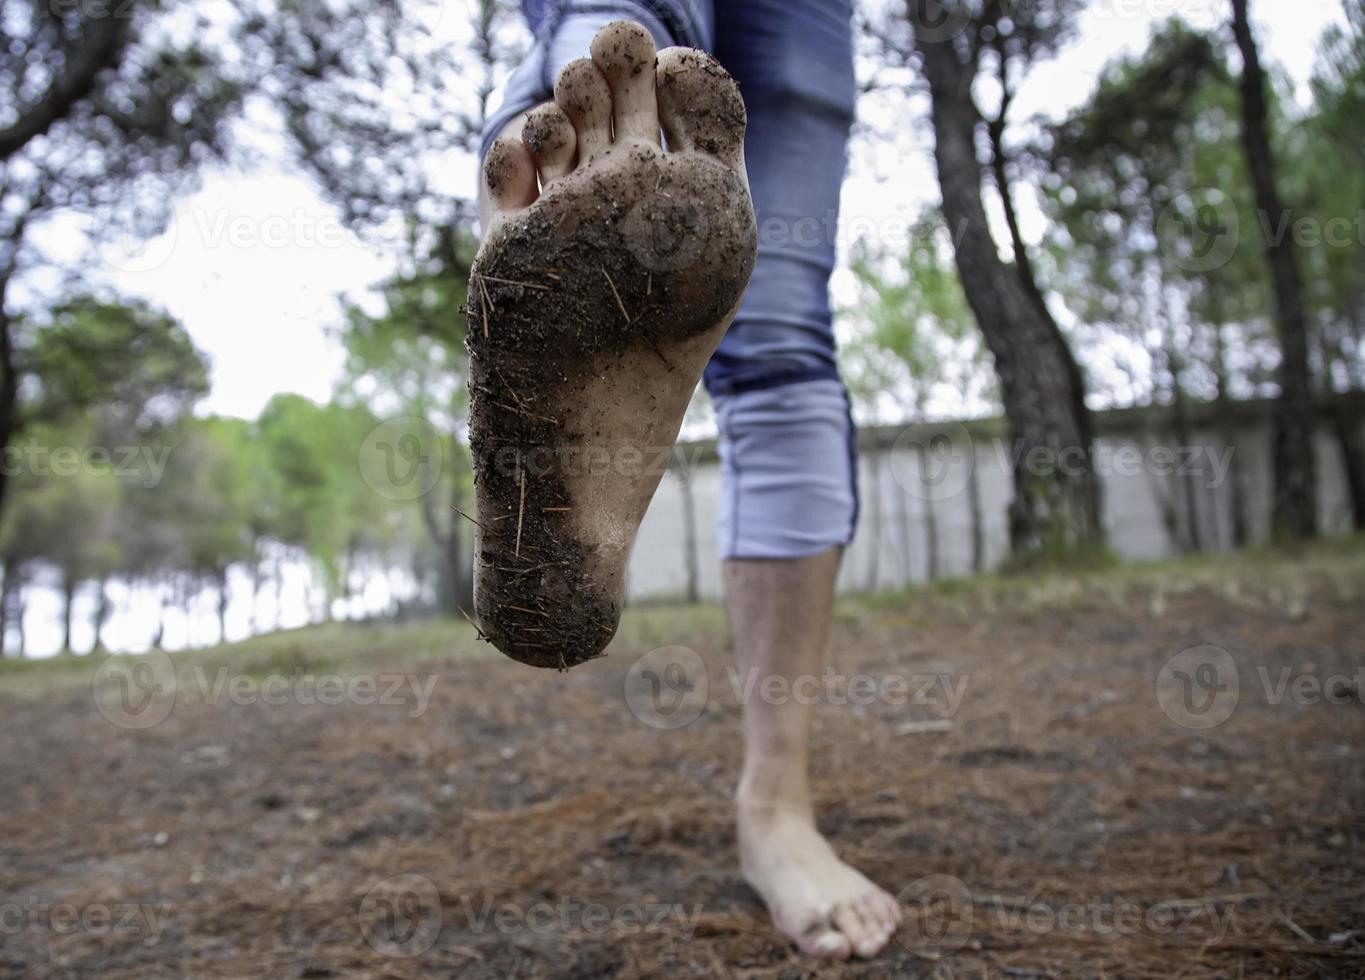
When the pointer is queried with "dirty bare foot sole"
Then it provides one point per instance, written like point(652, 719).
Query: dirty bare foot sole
point(598, 296)
point(826, 907)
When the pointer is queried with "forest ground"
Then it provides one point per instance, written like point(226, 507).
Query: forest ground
point(1040, 781)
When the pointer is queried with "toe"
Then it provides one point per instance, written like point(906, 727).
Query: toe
point(510, 175)
point(550, 137)
point(883, 916)
point(699, 104)
point(891, 911)
point(823, 940)
point(865, 936)
point(582, 92)
point(624, 52)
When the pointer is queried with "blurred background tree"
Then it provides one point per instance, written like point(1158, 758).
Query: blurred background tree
point(1054, 515)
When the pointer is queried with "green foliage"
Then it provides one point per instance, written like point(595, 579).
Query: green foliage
point(913, 326)
point(410, 358)
point(324, 508)
point(125, 361)
point(409, 361)
point(1154, 231)
point(65, 511)
point(1325, 175)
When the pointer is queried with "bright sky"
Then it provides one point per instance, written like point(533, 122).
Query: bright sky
point(253, 264)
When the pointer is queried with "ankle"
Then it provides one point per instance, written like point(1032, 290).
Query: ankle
point(766, 795)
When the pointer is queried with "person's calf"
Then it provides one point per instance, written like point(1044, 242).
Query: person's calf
point(781, 611)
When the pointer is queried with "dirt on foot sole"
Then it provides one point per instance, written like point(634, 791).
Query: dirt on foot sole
point(592, 312)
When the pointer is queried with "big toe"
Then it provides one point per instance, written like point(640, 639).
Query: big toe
point(822, 938)
point(699, 105)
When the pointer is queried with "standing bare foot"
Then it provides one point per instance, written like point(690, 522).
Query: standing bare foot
point(822, 904)
point(598, 296)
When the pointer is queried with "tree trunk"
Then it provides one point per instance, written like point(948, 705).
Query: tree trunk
point(100, 45)
point(1056, 508)
point(995, 129)
point(1294, 514)
point(159, 637)
point(1346, 428)
point(1161, 491)
point(902, 518)
point(1237, 502)
point(19, 621)
point(254, 623)
point(1342, 409)
point(974, 505)
point(68, 601)
point(6, 590)
point(278, 573)
point(101, 618)
point(874, 507)
point(9, 390)
point(1184, 438)
point(930, 525)
point(461, 580)
point(690, 556)
point(222, 582)
point(455, 585)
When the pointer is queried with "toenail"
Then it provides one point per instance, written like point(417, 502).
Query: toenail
point(827, 943)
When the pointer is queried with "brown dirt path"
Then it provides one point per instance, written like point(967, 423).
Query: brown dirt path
point(1056, 823)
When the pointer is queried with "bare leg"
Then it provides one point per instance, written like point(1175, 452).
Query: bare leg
point(781, 611)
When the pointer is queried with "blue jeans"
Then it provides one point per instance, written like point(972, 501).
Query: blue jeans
point(787, 441)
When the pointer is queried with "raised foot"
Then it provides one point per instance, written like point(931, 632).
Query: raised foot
point(610, 272)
